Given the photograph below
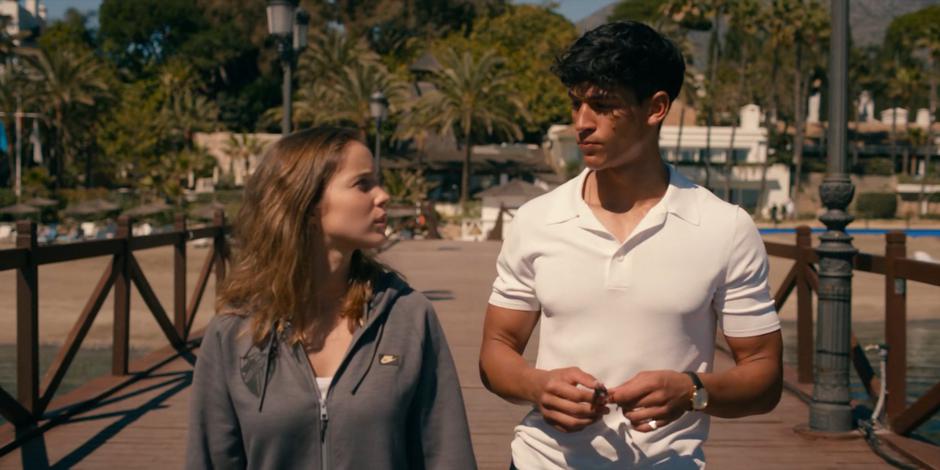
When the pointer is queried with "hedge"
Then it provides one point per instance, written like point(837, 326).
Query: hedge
point(877, 205)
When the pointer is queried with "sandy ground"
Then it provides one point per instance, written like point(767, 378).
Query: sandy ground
point(65, 288)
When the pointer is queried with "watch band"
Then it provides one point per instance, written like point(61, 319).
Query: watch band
point(697, 382)
point(696, 386)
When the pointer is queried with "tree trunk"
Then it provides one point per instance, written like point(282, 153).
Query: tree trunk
point(729, 162)
point(922, 198)
point(679, 135)
point(799, 122)
point(465, 173)
point(714, 55)
point(770, 118)
point(894, 129)
point(729, 159)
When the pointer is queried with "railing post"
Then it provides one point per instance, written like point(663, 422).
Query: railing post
point(220, 249)
point(804, 308)
point(122, 299)
point(895, 325)
point(179, 277)
point(27, 320)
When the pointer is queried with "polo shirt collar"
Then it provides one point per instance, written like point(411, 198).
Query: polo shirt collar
point(681, 199)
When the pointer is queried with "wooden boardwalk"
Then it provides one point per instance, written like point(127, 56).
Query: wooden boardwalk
point(144, 424)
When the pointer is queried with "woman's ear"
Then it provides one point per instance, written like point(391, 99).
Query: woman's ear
point(659, 105)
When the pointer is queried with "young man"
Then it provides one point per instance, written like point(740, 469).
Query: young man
point(630, 267)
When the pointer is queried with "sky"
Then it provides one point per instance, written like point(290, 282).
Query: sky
point(574, 10)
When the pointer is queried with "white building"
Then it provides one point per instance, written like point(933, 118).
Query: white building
point(748, 153)
point(23, 17)
point(686, 152)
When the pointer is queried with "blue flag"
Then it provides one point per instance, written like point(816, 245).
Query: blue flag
point(3, 139)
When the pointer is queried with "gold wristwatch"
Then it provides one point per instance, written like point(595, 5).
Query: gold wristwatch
point(699, 398)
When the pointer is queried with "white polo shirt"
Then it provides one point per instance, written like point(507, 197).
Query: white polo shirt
point(615, 309)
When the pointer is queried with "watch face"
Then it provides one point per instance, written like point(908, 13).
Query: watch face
point(700, 399)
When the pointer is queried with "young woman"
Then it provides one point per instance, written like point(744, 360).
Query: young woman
point(322, 358)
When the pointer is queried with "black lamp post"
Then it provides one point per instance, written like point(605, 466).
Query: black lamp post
point(288, 24)
point(378, 108)
point(830, 411)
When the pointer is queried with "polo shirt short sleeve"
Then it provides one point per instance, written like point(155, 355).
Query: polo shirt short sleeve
point(743, 302)
point(514, 287)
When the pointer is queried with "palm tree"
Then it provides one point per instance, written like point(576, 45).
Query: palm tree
point(242, 147)
point(72, 81)
point(810, 27)
point(335, 81)
point(930, 44)
point(471, 92)
point(741, 15)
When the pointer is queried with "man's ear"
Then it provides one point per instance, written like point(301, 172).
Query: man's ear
point(658, 108)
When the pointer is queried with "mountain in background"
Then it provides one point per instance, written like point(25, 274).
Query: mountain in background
point(869, 19)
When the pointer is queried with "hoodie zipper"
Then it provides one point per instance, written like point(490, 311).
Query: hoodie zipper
point(324, 414)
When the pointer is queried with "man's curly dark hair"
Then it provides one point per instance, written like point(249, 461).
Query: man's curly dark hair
point(623, 56)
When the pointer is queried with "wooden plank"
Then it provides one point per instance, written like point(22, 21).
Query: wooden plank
point(804, 306)
point(12, 410)
point(13, 258)
point(920, 271)
point(179, 277)
point(869, 263)
point(786, 287)
point(200, 289)
point(27, 320)
point(919, 412)
point(73, 251)
point(781, 250)
point(153, 241)
point(924, 454)
point(204, 232)
point(69, 349)
point(895, 326)
point(137, 275)
point(122, 299)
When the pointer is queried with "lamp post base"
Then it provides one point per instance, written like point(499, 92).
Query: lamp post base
point(830, 418)
point(804, 431)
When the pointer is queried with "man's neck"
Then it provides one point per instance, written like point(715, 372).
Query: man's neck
point(619, 189)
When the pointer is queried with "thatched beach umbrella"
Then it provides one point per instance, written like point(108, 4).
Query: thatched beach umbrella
point(42, 202)
point(92, 207)
point(19, 209)
point(153, 208)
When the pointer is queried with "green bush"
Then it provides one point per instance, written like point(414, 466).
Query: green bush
point(877, 166)
point(877, 205)
point(7, 197)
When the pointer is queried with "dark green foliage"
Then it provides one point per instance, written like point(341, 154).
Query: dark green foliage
point(877, 205)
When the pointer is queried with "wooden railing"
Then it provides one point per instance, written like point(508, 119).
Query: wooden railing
point(33, 395)
point(897, 270)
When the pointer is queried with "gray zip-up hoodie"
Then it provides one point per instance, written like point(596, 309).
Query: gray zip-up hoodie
point(394, 402)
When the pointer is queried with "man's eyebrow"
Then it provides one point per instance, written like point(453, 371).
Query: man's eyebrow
point(593, 96)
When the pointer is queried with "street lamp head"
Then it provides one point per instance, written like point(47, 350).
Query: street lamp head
point(301, 25)
point(378, 105)
point(281, 17)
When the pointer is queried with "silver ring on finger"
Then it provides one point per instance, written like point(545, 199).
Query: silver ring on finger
point(652, 424)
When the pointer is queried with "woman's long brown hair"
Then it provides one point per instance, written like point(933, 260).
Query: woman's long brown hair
point(273, 275)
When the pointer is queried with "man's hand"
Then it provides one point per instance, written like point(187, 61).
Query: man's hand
point(563, 404)
point(661, 396)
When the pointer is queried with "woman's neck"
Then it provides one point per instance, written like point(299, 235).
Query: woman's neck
point(334, 274)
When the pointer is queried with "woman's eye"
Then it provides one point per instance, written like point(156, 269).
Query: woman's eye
point(364, 184)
